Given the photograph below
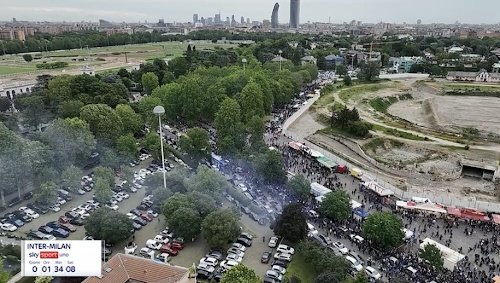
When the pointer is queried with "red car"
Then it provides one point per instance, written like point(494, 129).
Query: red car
point(147, 217)
point(167, 249)
point(63, 219)
point(176, 245)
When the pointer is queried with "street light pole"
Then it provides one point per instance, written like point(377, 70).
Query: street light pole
point(280, 58)
point(244, 61)
point(159, 110)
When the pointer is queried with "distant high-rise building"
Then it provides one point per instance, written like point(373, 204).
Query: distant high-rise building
point(274, 16)
point(419, 22)
point(242, 20)
point(248, 21)
point(228, 21)
point(294, 13)
point(210, 21)
point(14, 20)
point(233, 21)
point(217, 19)
point(195, 18)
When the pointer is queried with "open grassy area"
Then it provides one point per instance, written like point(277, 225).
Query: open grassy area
point(472, 87)
point(356, 91)
point(397, 133)
point(299, 268)
point(6, 69)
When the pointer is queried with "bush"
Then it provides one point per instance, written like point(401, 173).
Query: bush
point(55, 65)
point(358, 128)
point(27, 57)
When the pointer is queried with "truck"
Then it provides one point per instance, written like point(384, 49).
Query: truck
point(356, 173)
point(318, 190)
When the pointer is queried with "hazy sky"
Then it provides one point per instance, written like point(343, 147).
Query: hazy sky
point(443, 11)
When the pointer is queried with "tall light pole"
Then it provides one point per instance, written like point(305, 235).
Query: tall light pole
point(280, 58)
point(159, 110)
point(244, 61)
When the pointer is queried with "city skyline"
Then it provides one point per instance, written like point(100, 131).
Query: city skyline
point(445, 11)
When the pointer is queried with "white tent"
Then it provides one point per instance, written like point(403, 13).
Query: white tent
point(451, 257)
point(355, 204)
point(426, 207)
point(378, 189)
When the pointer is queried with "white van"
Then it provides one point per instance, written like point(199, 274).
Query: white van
point(152, 244)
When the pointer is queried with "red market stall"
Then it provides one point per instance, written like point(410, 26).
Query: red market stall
point(496, 218)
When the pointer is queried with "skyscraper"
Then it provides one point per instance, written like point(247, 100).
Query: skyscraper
point(217, 19)
point(274, 16)
point(195, 18)
point(242, 20)
point(294, 13)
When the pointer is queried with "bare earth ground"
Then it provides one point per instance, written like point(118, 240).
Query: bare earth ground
point(424, 165)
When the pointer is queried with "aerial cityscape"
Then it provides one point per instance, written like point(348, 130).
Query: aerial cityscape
point(277, 142)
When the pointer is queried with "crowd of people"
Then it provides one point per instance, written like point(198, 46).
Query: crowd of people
point(476, 240)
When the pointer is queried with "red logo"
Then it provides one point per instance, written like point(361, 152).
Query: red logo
point(50, 255)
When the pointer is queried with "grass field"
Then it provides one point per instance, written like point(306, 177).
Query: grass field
point(7, 69)
point(472, 87)
point(299, 268)
point(135, 53)
point(355, 92)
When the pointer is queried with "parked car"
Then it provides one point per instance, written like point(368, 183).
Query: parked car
point(279, 269)
point(236, 252)
point(136, 226)
point(8, 227)
point(266, 256)
point(285, 249)
point(14, 201)
point(72, 214)
point(326, 239)
point(282, 263)
point(36, 235)
point(234, 257)
point(140, 221)
point(68, 227)
point(152, 244)
point(45, 229)
point(239, 246)
point(146, 217)
point(371, 272)
point(54, 208)
point(53, 224)
point(169, 250)
point(341, 247)
point(29, 212)
point(273, 242)
point(162, 239)
point(209, 260)
point(283, 256)
point(28, 195)
point(147, 253)
point(176, 245)
point(215, 254)
point(22, 216)
point(228, 264)
point(354, 263)
point(244, 241)
point(274, 274)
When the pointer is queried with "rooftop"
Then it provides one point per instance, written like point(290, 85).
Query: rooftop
point(123, 268)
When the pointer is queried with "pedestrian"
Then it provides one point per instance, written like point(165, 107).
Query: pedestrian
point(263, 239)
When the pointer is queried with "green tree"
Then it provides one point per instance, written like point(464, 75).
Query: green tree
point(33, 109)
point(27, 57)
point(146, 106)
point(106, 174)
point(160, 194)
point(341, 70)
point(369, 72)
point(327, 277)
point(43, 279)
point(251, 101)
point(361, 277)
point(336, 205)
point(196, 143)
point(152, 143)
point(108, 225)
point(220, 227)
point(126, 145)
point(301, 187)
point(132, 122)
point(347, 80)
point(204, 203)
point(228, 126)
point(5, 104)
point(103, 121)
point(185, 222)
point(256, 129)
point(319, 260)
point(70, 140)
point(270, 166)
point(71, 177)
point(240, 274)
point(4, 275)
point(127, 174)
point(291, 224)
point(149, 82)
point(176, 202)
point(70, 108)
point(168, 77)
point(103, 192)
point(207, 180)
point(46, 194)
point(432, 255)
point(110, 159)
point(384, 230)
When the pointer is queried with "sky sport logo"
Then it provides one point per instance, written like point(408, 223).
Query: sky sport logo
point(49, 255)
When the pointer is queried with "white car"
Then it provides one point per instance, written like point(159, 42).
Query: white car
point(242, 187)
point(356, 238)
point(29, 212)
point(228, 264)
point(285, 249)
point(240, 247)
point(371, 272)
point(153, 244)
point(274, 274)
point(117, 197)
point(279, 269)
point(152, 213)
point(61, 201)
point(234, 257)
point(210, 261)
point(273, 242)
point(167, 233)
point(131, 216)
point(342, 249)
point(49, 237)
point(163, 257)
point(8, 227)
point(92, 202)
point(54, 208)
point(283, 256)
point(354, 263)
point(162, 239)
point(207, 267)
point(112, 206)
point(236, 251)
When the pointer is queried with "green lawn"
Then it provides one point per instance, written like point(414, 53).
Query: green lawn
point(300, 268)
point(6, 70)
point(472, 87)
point(356, 91)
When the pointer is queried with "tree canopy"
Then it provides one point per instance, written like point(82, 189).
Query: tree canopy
point(384, 230)
point(336, 205)
point(220, 227)
point(108, 225)
point(291, 224)
point(432, 256)
point(240, 274)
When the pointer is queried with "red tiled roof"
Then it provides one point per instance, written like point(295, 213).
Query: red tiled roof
point(129, 267)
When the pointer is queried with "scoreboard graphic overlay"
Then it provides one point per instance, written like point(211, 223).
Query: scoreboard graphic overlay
point(61, 258)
